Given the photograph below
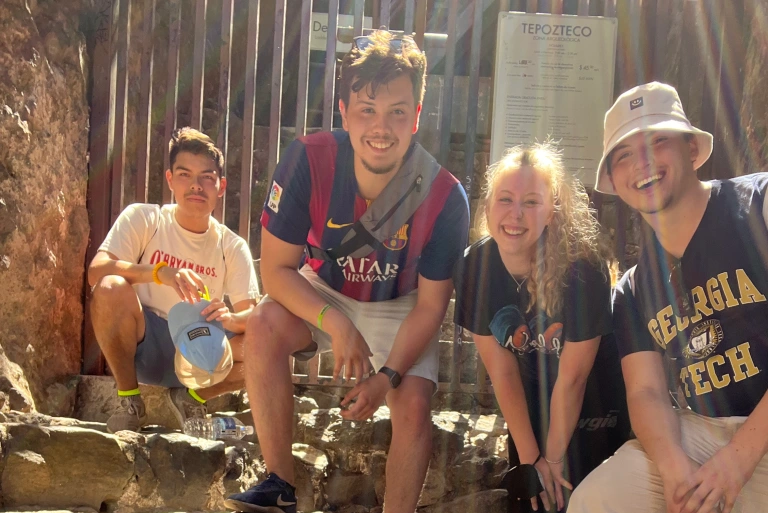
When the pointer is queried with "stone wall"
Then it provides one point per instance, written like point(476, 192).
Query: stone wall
point(43, 218)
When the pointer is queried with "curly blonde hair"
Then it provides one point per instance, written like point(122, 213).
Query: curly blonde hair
point(572, 234)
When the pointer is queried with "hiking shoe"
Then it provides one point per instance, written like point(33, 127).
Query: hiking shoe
point(271, 496)
point(131, 415)
point(184, 406)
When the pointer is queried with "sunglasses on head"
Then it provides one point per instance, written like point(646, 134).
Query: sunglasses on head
point(396, 44)
point(682, 295)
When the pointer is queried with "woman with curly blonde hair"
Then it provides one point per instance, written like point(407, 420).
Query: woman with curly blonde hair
point(535, 293)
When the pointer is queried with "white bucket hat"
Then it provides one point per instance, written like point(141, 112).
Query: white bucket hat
point(646, 108)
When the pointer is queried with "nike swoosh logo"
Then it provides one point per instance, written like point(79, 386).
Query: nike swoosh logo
point(331, 224)
point(281, 502)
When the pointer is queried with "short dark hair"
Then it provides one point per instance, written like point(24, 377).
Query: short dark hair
point(687, 136)
point(194, 141)
point(380, 63)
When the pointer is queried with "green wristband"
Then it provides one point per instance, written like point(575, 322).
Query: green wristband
point(321, 315)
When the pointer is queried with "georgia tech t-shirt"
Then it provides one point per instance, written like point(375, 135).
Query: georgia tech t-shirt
point(719, 352)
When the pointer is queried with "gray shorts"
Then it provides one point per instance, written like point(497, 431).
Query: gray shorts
point(154, 354)
point(378, 323)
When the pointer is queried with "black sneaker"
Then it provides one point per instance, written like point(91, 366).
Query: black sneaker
point(271, 496)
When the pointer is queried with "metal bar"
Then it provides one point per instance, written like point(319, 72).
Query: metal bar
point(583, 8)
point(503, 7)
point(481, 382)
point(314, 368)
point(301, 100)
point(532, 6)
point(145, 103)
point(410, 12)
point(249, 118)
point(330, 64)
point(359, 15)
point(660, 47)
point(474, 90)
point(609, 8)
point(557, 7)
point(478, 8)
point(172, 86)
point(447, 104)
point(386, 6)
point(198, 64)
point(100, 147)
point(225, 64)
point(277, 89)
point(729, 89)
point(121, 107)
point(421, 22)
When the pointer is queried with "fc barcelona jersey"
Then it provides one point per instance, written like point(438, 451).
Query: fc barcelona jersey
point(314, 199)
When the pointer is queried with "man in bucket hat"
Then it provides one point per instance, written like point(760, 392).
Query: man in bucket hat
point(696, 297)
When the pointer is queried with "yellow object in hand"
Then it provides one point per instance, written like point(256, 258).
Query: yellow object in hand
point(204, 293)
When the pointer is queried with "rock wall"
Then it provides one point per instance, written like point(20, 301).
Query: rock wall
point(43, 218)
point(51, 463)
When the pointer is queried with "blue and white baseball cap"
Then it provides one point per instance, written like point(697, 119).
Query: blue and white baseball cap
point(203, 354)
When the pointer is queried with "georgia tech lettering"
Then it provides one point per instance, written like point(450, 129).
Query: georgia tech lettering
point(711, 371)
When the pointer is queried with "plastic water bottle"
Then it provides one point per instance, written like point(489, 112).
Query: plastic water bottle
point(217, 428)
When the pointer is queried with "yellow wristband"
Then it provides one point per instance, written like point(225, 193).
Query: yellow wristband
point(321, 315)
point(158, 266)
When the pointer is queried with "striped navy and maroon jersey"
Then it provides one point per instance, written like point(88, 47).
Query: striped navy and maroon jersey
point(314, 199)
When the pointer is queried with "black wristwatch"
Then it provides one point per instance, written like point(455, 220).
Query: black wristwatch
point(394, 376)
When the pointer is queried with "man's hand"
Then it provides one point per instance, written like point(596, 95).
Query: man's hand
point(370, 395)
point(218, 311)
point(349, 348)
point(677, 478)
point(720, 480)
point(185, 282)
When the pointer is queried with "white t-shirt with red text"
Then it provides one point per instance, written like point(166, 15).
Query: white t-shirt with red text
point(148, 234)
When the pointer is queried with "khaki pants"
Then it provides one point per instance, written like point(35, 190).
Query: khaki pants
point(630, 482)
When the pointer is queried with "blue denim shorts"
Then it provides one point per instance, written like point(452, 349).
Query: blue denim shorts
point(154, 354)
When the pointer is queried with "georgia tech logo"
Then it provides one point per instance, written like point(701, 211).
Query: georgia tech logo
point(398, 240)
point(705, 337)
point(331, 224)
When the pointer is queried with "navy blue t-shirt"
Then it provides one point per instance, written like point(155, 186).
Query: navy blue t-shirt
point(719, 351)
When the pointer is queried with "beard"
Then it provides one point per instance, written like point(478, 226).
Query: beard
point(657, 206)
point(383, 170)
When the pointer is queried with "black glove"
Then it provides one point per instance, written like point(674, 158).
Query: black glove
point(522, 482)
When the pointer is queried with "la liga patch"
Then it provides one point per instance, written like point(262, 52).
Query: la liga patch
point(275, 193)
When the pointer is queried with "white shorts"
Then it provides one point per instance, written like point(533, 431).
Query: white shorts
point(629, 482)
point(378, 323)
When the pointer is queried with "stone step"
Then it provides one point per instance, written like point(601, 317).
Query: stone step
point(54, 463)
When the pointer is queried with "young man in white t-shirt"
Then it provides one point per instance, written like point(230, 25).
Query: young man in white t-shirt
point(154, 257)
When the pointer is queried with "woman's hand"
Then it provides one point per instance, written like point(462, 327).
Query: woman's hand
point(560, 481)
point(545, 473)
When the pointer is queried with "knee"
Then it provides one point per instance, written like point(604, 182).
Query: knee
point(111, 290)
point(411, 413)
point(263, 331)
